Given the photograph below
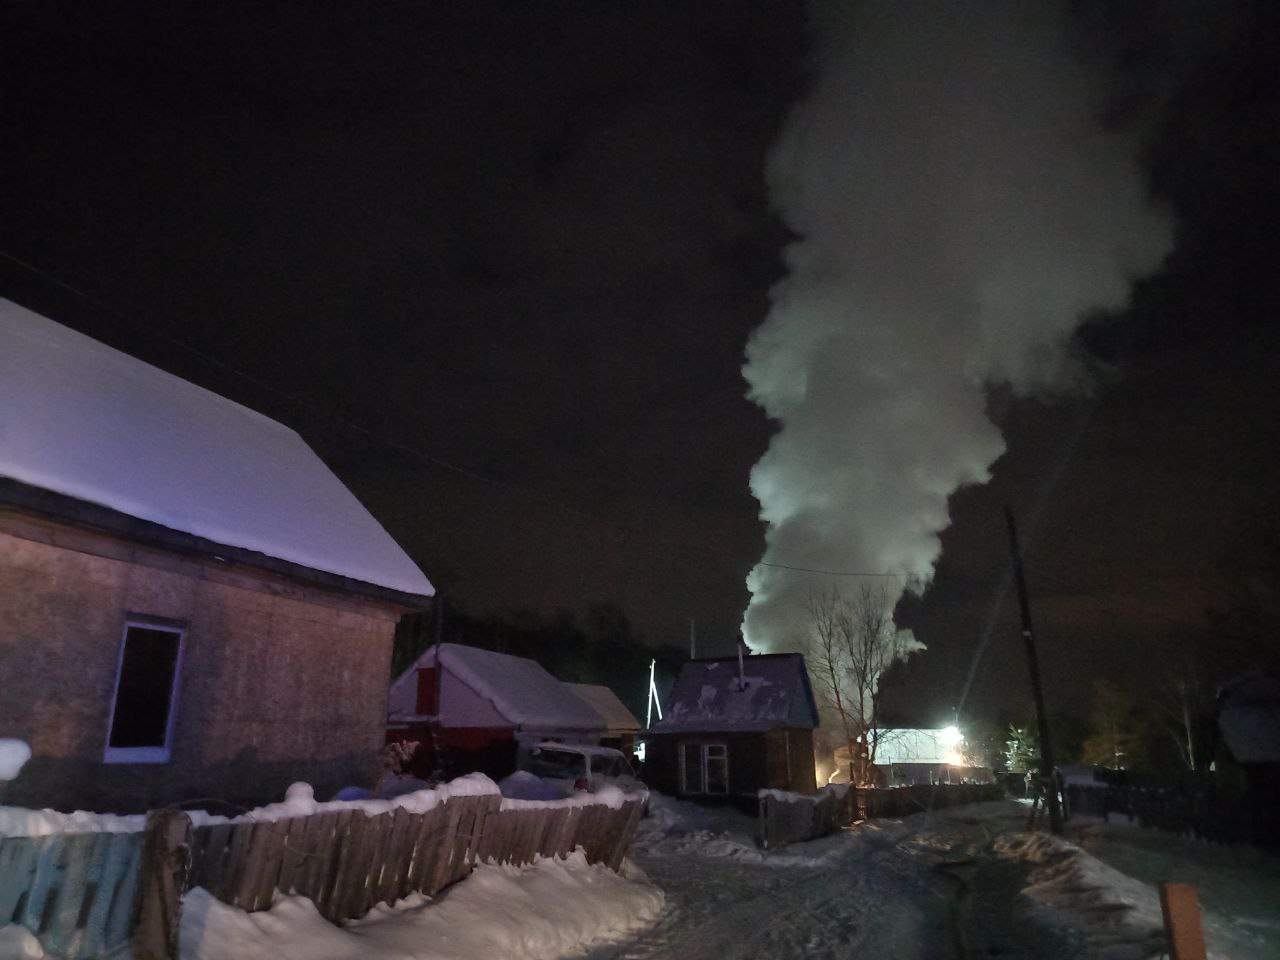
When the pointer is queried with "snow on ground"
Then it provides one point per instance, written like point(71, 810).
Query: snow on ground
point(963, 882)
point(549, 909)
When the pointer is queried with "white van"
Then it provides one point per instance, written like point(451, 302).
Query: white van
point(574, 766)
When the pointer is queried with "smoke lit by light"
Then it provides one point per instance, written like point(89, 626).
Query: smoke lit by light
point(959, 210)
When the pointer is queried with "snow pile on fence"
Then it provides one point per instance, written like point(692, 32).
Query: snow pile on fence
point(553, 907)
point(19, 943)
point(299, 801)
point(13, 755)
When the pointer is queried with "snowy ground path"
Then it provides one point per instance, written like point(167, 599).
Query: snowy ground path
point(882, 887)
point(963, 883)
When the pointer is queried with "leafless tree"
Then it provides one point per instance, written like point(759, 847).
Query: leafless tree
point(1180, 701)
point(852, 642)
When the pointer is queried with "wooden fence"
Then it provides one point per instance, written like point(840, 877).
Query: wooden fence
point(75, 891)
point(1196, 813)
point(80, 893)
point(791, 818)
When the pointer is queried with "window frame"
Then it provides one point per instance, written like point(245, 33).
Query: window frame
point(160, 754)
point(704, 758)
point(707, 758)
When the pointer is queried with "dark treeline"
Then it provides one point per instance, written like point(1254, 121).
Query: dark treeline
point(599, 647)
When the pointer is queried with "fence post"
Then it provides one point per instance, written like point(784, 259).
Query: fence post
point(162, 878)
point(1181, 911)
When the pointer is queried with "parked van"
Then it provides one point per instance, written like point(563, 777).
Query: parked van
point(574, 766)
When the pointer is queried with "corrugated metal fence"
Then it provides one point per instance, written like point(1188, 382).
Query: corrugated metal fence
point(791, 818)
point(79, 892)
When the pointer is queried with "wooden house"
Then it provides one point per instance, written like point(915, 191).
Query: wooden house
point(191, 604)
point(735, 726)
point(472, 709)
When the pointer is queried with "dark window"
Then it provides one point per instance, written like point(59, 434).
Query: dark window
point(704, 768)
point(428, 692)
point(716, 757)
point(144, 689)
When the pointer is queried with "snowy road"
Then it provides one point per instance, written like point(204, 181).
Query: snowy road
point(884, 887)
point(956, 885)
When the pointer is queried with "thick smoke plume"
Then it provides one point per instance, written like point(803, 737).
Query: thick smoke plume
point(959, 210)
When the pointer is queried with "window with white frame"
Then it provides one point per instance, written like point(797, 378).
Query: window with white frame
point(142, 708)
point(704, 768)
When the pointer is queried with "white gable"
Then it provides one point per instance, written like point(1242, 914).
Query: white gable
point(605, 702)
point(82, 419)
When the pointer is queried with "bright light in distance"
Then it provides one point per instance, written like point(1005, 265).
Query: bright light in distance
point(950, 738)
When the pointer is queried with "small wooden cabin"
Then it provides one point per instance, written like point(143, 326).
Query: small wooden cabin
point(735, 726)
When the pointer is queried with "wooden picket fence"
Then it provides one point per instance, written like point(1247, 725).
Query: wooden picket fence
point(75, 891)
point(83, 894)
point(793, 817)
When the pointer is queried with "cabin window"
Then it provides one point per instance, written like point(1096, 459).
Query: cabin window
point(428, 692)
point(716, 762)
point(142, 708)
point(704, 768)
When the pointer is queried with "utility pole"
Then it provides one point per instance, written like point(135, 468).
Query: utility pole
point(1037, 693)
point(693, 639)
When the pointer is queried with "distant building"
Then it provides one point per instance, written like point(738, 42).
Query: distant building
point(906, 755)
point(191, 604)
point(473, 709)
point(728, 732)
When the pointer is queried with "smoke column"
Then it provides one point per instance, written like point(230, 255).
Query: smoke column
point(959, 210)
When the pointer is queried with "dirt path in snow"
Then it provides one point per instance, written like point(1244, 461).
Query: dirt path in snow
point(925, 887)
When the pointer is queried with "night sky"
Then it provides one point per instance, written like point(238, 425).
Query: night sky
point(499, 264)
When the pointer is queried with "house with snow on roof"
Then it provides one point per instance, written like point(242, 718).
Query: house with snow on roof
point(471, 709)
point(734, 726)
point(191, 604)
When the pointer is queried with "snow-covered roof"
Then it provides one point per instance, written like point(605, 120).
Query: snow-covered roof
point(605, 702)
point(1249, 718)
point(89, 422)
point(773, 692)
point(520, 690)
